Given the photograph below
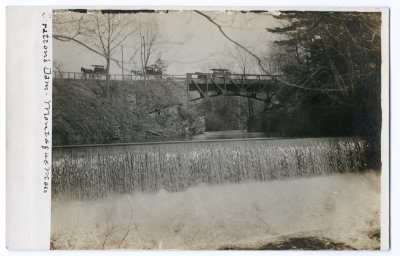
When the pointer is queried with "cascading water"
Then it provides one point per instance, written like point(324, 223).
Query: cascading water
point(92, 172)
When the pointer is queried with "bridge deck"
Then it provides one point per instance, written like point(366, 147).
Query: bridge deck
point(209, 85)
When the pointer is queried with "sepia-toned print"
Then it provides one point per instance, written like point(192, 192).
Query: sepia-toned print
point(217, 130)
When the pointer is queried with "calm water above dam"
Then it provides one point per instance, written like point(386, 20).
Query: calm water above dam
point(211, 135)
point(234, 134)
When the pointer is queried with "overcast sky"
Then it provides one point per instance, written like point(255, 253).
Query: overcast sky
point(190, 43)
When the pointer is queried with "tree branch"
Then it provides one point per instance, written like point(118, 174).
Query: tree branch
point(259, 61)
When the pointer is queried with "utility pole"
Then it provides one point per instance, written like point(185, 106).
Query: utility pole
point(142, 57)
point(122, 61)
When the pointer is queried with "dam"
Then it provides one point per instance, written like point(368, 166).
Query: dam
point(98, 171)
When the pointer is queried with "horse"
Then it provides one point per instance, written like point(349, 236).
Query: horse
point(86, 72)
point(138, 74)
point(153, 71)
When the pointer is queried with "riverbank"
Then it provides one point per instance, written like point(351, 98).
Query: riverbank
point(82, 114)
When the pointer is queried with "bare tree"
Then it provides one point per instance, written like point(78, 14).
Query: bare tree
point(98, 32)
point(149, 32)
point(242, 59)
point(245, 63)
point(58, 66)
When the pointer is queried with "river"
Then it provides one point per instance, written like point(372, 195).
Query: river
point(216, 190)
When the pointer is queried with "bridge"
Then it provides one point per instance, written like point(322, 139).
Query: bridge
point(227, 84)
point(206, 84)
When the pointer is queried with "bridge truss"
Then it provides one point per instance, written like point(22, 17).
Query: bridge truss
point(212, 85)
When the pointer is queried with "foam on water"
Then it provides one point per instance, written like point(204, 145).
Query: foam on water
point(340, 207)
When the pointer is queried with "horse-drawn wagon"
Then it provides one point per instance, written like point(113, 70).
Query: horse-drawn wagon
point(151, 72)
point(96, 72)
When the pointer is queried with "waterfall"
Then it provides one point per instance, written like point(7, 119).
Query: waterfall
point(92, 172)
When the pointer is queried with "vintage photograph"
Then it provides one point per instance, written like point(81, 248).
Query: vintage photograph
point(216, 130)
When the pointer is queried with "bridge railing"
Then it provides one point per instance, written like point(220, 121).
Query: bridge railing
point(201, 77)
point(79, 75)
point(175, 77)
point(67, 75)
point(118, 77)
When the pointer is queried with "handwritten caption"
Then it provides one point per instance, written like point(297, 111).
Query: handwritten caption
point(47, 76)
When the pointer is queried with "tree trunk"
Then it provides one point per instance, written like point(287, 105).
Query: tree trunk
point(108, 78)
